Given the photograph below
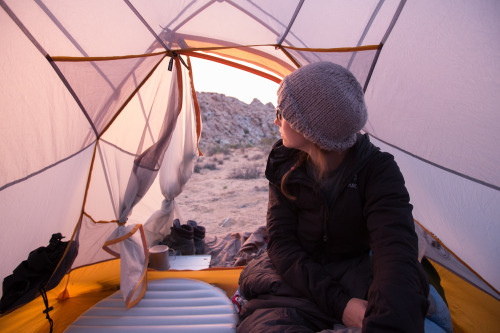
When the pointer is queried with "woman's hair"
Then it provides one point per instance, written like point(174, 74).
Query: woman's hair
point(302, 157)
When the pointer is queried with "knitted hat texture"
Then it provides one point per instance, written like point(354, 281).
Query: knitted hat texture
point(324, 102)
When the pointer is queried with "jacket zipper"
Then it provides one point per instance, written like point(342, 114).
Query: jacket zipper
point(344, 186)
point(325, 218)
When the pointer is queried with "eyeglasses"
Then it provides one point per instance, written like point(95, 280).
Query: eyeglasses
point(279, 115)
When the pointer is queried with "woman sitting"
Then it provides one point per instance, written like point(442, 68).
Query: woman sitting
point(342, 246)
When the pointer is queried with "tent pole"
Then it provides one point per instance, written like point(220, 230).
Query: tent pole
point(292, 20)
point(23, 28)
point(368, 26)
point(139, 16)
point(394, 20)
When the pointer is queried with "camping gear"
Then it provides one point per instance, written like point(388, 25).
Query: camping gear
point(181, 238)
point(199, 233)
point(99, 121)
point(159, 256)
point(175, 305)
point(39, 273)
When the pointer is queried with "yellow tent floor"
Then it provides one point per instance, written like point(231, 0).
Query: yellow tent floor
point(471, 309)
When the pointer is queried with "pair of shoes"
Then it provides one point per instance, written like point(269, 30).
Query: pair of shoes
point(186, 239)
point(180, 238)
point(198, 236)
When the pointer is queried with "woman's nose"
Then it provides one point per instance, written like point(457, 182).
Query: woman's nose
point(277, 122)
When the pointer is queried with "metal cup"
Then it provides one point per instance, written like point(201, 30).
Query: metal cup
point(159, 257)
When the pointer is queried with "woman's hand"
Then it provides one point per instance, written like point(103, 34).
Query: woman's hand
point(354, 312)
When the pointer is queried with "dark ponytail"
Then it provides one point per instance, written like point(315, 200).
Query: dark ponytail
point(320, 168)
point(302, 157)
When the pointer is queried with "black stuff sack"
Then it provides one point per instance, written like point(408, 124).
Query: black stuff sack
point(37, 274)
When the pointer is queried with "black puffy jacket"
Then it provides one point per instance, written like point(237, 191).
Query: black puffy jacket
point(316, 247)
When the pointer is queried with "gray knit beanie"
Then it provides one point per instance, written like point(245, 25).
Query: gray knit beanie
point(324, 102)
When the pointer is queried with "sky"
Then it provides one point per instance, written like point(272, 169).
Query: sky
point(209, 76)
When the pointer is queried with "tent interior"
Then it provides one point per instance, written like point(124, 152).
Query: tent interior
point(98, 109)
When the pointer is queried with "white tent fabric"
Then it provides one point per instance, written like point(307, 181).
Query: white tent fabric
point(90, 98)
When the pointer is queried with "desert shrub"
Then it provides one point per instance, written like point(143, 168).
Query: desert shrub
point(256, 157)
point(198, 167)
point(210, 166)
point(218, 149)
point(261, 189)
point(246, 172)
point(266, 141)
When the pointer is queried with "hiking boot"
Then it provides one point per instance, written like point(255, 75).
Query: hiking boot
point(199, 236)
point(181, 238)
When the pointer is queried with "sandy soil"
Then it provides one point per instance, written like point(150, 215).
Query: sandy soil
point(218, 200)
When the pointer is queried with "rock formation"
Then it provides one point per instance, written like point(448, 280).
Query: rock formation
point(229, 122)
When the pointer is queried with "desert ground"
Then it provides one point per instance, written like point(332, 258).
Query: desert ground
point(228, 191)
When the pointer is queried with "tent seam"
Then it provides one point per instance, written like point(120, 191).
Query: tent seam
point(494, 187)
point(20, 180)
point(118, 112)
point(459, 260)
